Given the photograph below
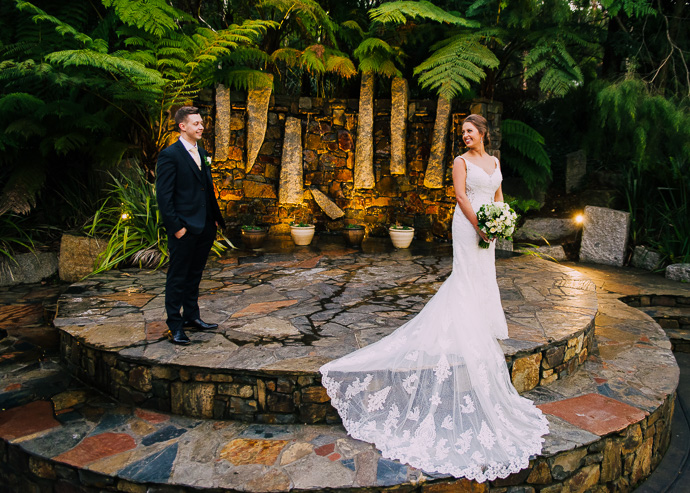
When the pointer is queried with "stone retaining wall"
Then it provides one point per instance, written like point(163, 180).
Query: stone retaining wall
point(329, 139)
point(615, 463)
point(269, 397)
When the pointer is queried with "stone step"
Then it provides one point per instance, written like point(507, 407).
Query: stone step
point(281, 317)
point(675, 320)
point(609, 422)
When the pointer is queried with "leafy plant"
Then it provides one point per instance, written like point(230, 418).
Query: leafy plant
point(131, 221)
point(13, 235)
point(521, 205)
point(353, 226)
point(525, 149)
point(249, 227)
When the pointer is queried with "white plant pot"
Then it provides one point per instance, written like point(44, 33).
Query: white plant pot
point(302, 235)
point(401, 238)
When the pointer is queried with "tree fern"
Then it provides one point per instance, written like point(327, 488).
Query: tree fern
point(559, 70)
point(455, 63)
point(524, 151)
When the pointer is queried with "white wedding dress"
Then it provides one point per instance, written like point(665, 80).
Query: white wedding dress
point(436, 393)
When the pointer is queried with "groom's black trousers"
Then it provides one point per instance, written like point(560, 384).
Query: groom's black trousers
point(187, 261)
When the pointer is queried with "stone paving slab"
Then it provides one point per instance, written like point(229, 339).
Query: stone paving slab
point(124, 447)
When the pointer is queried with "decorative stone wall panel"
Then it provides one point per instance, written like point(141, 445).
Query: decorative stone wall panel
point(364, 161)
point(257, 120)
point(399, 102)
point(328, 157)
point(435, 167)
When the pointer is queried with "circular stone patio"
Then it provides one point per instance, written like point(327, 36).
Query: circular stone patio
point(281, 316)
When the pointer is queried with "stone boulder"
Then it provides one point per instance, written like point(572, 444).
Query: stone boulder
point(678, 272)
point(28, 268)
point(78, 255)
point(644, 258)
point(604, 236)
point(546, 228)
point(575, 170)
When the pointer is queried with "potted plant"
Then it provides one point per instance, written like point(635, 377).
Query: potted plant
point(253, 236)
point(353, 234)
point(302, 233)
point(401, 236)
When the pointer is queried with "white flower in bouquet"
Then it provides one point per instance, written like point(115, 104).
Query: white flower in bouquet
point(496, 220)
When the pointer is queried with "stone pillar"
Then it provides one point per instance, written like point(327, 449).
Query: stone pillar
point(291, 173)
point(575, 169)
point(364, 152)
point(399, 97)
point(222, 127)
point(435, 168)
point(604, 236)
point(257, 116)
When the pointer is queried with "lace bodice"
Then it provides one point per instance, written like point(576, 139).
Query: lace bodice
point(481, 186)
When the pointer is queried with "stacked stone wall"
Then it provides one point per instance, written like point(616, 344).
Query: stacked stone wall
point(329, 139)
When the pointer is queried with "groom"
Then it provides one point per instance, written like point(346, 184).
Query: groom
point(190, 212)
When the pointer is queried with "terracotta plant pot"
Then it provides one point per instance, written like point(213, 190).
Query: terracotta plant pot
point(401, 238)
point(254, 238)
point(302, 235)
point(354, 236)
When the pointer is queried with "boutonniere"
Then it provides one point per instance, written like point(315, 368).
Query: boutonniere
point(207, 159)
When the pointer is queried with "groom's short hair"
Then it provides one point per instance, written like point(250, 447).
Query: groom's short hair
point(182, 114)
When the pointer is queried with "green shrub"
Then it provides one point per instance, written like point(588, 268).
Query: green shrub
point(13, 235)
point(129, 217)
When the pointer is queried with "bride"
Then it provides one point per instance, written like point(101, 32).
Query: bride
point(436, 393)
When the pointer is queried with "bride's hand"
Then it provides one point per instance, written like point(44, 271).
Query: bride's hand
point(482, 235)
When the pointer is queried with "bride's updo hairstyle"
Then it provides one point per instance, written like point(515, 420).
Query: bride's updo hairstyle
point(482, 125)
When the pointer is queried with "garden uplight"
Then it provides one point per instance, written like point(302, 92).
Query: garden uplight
point(579, 219)
point(124, 216)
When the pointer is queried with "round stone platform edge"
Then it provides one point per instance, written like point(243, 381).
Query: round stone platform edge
point(616, 462)
point(282, 395)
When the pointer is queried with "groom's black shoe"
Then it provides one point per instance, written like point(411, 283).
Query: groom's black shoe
point(200, 324)
point(178, 336)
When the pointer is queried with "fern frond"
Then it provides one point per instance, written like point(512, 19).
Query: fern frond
point(371, 46)
point(399, 12)
point(129, 68)
point(247, 79)
point(534, 166)
point(61, 27)
point(155, 17)
point(454, 64)
point(341, 66)
point(289, 56)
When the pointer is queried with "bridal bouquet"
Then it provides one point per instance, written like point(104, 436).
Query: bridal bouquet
point(497, 220)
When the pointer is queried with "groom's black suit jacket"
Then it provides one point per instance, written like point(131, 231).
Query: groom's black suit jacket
point(184, 193)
